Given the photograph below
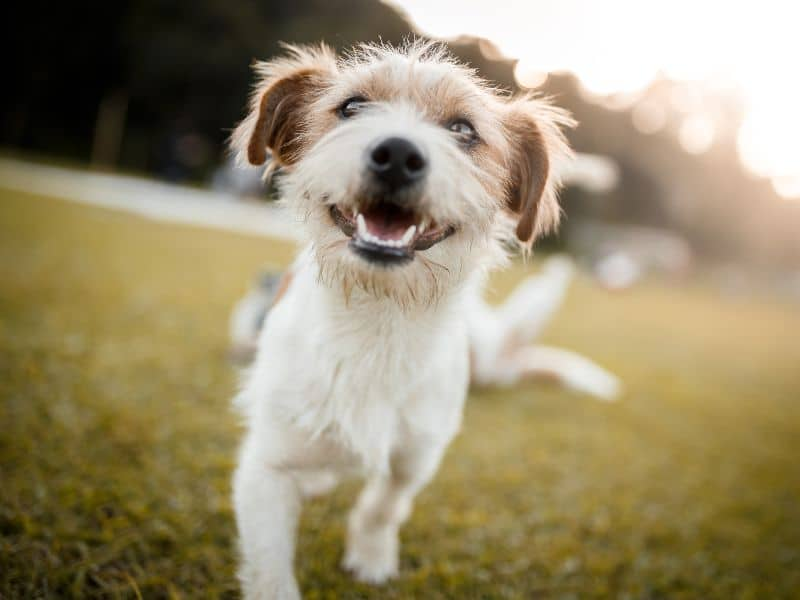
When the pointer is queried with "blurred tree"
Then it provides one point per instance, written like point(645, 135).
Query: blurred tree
point(61, 61)
point(171, 75)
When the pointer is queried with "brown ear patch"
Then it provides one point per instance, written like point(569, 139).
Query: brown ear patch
point(279, 125)
point(530, 167)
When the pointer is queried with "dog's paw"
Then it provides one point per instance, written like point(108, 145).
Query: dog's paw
point(372, 557)
point(263, 586)
point(280, 593)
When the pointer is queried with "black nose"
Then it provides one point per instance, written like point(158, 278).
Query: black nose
point(396, 162)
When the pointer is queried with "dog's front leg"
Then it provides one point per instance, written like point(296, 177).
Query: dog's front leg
point(384, 504)
point(267, 503)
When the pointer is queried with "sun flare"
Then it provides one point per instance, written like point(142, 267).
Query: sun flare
point(748, 49)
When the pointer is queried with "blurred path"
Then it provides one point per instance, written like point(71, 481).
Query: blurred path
point(197, 206)
point(150, 199)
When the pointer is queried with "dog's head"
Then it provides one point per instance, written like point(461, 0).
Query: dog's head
point(408, 170)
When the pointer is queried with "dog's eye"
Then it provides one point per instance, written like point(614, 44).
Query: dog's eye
point(351, 106)
point(464, 130)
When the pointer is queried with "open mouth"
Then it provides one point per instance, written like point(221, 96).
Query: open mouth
point(388, 234)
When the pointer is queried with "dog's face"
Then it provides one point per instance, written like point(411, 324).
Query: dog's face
point(409, 172)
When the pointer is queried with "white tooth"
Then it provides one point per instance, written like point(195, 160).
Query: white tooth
point(408, 235)
point(362, 225)
point(423, 226)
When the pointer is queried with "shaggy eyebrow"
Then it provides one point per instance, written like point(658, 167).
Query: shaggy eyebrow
point(461, 103)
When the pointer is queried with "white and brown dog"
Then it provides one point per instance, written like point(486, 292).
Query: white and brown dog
point(411, 178)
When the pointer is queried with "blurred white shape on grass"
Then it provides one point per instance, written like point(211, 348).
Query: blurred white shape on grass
point(618, 270)
point(503, 338)
point(595, 173)
point(622, 254)
point(571, 369)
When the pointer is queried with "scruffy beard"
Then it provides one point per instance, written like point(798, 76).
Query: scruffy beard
point(423, 282)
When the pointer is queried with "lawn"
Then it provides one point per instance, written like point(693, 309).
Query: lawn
point(118, 442)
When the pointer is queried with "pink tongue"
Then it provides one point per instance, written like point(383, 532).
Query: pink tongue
point(388, 222)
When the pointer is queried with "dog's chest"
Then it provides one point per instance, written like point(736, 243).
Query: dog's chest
point(360, 389)
point(366, 378)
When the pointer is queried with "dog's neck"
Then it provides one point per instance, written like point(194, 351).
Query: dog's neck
point(345, 297)
point(356, 304)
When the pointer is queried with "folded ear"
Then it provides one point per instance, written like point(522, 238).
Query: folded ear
point(534, 132)
point(285, 89)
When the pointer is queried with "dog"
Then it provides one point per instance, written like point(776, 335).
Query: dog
point(412, 178)
point(503, 345)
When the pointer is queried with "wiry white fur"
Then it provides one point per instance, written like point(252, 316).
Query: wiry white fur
point(364, 368)
point(332, 173)
point(344, 394)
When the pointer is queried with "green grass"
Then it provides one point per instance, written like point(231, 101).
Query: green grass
point(117, 440)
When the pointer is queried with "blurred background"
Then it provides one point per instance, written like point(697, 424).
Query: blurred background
point(683, 213)
point(693, 102)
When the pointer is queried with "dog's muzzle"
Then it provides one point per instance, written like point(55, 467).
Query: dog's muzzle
point(386, 234)
point(386, 226)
